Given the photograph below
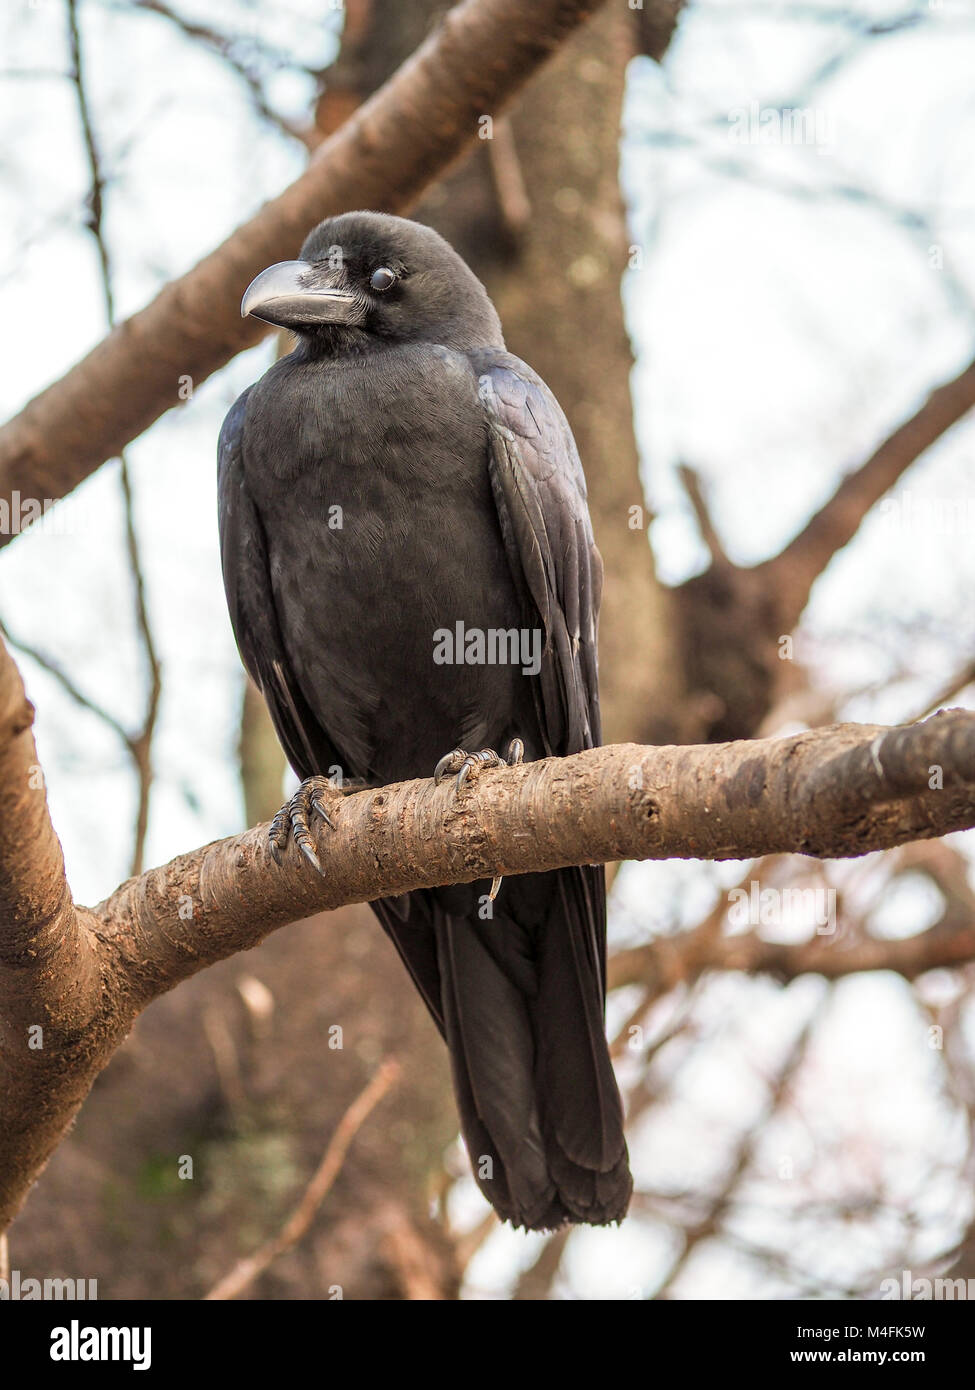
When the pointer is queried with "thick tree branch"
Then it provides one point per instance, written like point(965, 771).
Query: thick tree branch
point(382, 157)
point(72, 980)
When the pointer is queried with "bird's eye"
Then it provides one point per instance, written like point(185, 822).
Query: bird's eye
point(382, 278)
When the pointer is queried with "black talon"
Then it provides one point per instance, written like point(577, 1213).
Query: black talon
point(486, 757)
point(450, 762)
point(465, 772)
point(463, 763)
point(304, 842)
point(278, 835)
point(292, 821)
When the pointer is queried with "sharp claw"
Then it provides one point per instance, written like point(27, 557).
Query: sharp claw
point(291, 822)
point(311, 856)
point(516, 752)
point(303, 839)
point(486, 758)
point(496, 883)
point(446, 764)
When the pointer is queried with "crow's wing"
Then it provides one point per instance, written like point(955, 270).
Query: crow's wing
point(247, 580)
point(246, 577)
point(540, 493)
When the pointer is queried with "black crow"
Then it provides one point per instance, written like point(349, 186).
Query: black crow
point(410, 569)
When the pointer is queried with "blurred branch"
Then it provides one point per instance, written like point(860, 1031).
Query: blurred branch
point(383, 157)
point(792, 573)
point(952, 687)
point(535, 1283)
point(245, 1271)
point(227, 46)
point(666, 962)
point(709, 1226)
point(640, 965)
point(913, 221)
point(655, 21)
point(510, 188)
point(734, 617)
point(139, 744)
point(691, 481)
point(262, 763)
point(67, 684)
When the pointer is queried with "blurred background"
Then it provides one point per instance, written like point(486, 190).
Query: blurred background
point(737, 240)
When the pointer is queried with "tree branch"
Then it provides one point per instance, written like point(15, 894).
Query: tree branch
point(382, 157)
point(72, 980)
point(663, 964)
point(792, 573)
point(732, 617)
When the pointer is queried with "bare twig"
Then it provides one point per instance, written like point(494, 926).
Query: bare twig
point(710, 1225)
point(67, 684)
point(247, 1270)
point(950, 689)
point(691, 481)
point(537, 1280)
point(226, 46)
point(139, 745)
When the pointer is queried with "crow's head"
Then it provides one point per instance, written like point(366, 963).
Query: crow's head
point(368, 279)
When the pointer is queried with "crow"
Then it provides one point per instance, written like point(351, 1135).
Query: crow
point(413, 584)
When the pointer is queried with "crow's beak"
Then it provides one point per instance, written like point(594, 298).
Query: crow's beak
point(295, 294)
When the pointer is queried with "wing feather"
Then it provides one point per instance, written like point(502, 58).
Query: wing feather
point(247, 581)
point(540, 493)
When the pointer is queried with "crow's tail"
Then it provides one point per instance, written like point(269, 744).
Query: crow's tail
point(522, 1000)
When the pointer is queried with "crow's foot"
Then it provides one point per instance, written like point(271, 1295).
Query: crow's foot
point(463, 764)
point(293, 820)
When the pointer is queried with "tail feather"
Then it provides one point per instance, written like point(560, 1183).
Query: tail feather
point(576, 1079)
point(489, 1037)
point(519, 999)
